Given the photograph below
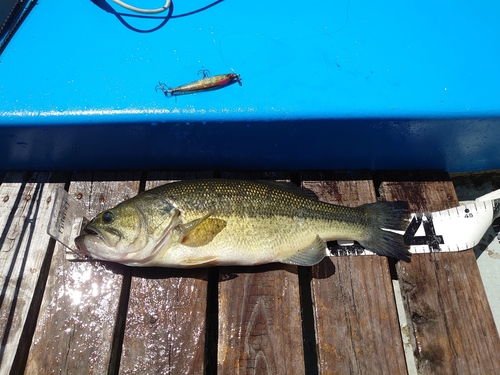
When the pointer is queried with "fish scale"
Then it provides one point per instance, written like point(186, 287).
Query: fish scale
point(201, 223)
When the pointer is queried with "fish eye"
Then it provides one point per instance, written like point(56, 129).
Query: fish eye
point(107, 217)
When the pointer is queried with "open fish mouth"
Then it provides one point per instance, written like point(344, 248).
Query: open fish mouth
point(91, 232)
point(88, 237)
point(95, 234)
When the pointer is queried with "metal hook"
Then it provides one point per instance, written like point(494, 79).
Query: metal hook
point(163, 87)
point(204, 72)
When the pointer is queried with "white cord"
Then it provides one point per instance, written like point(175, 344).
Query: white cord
point(141, 10)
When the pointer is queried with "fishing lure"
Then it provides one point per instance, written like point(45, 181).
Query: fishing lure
point(205, 84)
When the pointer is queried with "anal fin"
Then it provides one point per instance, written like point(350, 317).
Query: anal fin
point(308, 256)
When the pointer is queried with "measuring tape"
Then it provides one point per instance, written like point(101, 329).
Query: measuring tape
point(455, 229)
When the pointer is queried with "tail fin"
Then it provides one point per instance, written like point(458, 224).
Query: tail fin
point(387, 215)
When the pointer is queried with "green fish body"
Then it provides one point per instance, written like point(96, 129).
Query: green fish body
point(203, 223)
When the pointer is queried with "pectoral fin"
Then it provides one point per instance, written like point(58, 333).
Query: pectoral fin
point(308, 256)
point(201, 231)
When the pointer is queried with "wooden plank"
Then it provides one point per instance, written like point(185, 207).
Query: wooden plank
point(25, 250)
point(451, 325)
point(355, 312)
point(77, 319)
point(260, 327)
point(165, 326)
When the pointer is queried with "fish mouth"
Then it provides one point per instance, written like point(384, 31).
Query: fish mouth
point(89, 234)
point(90, 231)
point(81, 250)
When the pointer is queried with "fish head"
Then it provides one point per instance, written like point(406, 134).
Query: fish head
point(132, 233)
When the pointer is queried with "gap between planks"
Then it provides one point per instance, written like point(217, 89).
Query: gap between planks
point(425, 362)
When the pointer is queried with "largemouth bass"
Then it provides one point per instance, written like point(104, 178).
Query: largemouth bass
point(203, 223)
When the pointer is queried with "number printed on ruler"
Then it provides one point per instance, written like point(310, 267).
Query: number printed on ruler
point(455, 229)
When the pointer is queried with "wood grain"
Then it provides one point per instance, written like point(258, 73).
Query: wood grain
point(76, 323)
point(25, 207)
point(356, 318)
point(452, 328)
point(166, 318)
point(260, 327)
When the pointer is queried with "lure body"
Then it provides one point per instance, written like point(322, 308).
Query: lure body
point(205, 84)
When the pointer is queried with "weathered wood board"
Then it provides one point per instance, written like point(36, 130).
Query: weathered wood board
point(260, 325)
point(339, 317)
point(166, 316)
point(451, 325)
point(76, 324)
point(25, 249)
point(354, 307)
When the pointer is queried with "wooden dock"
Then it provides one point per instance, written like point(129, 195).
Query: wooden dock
point(339, 317)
